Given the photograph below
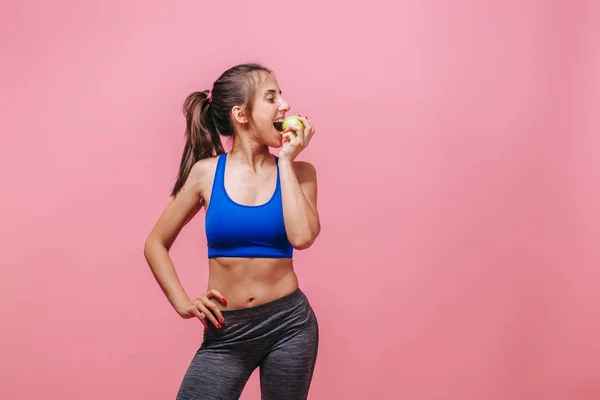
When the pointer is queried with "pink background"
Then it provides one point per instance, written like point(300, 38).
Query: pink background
point(457, 151)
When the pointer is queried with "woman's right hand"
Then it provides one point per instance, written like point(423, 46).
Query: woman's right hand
point(203, 308)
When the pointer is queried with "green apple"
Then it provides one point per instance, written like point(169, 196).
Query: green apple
point(292, 120)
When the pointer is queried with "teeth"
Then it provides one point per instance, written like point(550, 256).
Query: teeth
point(279, 120)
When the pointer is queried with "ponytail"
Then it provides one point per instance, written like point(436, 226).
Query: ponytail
point(201, 137)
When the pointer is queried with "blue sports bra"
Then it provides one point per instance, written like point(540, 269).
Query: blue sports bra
point(237, 230)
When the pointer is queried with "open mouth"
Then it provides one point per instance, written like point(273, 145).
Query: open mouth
point(278, 125)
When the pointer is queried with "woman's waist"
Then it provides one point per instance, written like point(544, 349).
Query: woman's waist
point(251, 282)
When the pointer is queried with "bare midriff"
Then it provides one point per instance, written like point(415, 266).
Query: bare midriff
point(249, 282)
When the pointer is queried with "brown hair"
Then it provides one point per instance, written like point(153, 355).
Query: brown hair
point(209, 119)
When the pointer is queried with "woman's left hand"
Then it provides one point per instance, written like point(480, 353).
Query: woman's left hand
point(293, 144)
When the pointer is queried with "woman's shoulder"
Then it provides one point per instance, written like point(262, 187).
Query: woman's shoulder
point(305, 171)
point(203, 170)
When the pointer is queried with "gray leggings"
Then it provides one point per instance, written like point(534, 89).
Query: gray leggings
point(280, 337)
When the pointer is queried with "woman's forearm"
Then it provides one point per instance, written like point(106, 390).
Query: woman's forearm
point(301, 220)
point(164, 272)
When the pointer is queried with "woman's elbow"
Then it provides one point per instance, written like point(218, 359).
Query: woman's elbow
point(148, 245)
point(151, 245)
point(302, 244)
point(305, 241)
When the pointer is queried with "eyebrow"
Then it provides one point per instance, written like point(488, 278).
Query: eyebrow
point(274, 91)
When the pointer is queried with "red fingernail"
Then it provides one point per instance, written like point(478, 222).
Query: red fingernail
point(222, 320)
point(219, 326)
point(224, 300)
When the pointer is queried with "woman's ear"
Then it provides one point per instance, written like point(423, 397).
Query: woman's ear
point(239, 115)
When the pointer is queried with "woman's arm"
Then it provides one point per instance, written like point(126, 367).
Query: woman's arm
point(299, 195)
point(182, 208)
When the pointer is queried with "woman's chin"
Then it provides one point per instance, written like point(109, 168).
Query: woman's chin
point(277, 142)
point(274, 143)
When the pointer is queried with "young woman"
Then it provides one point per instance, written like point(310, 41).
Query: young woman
point(259, 208)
